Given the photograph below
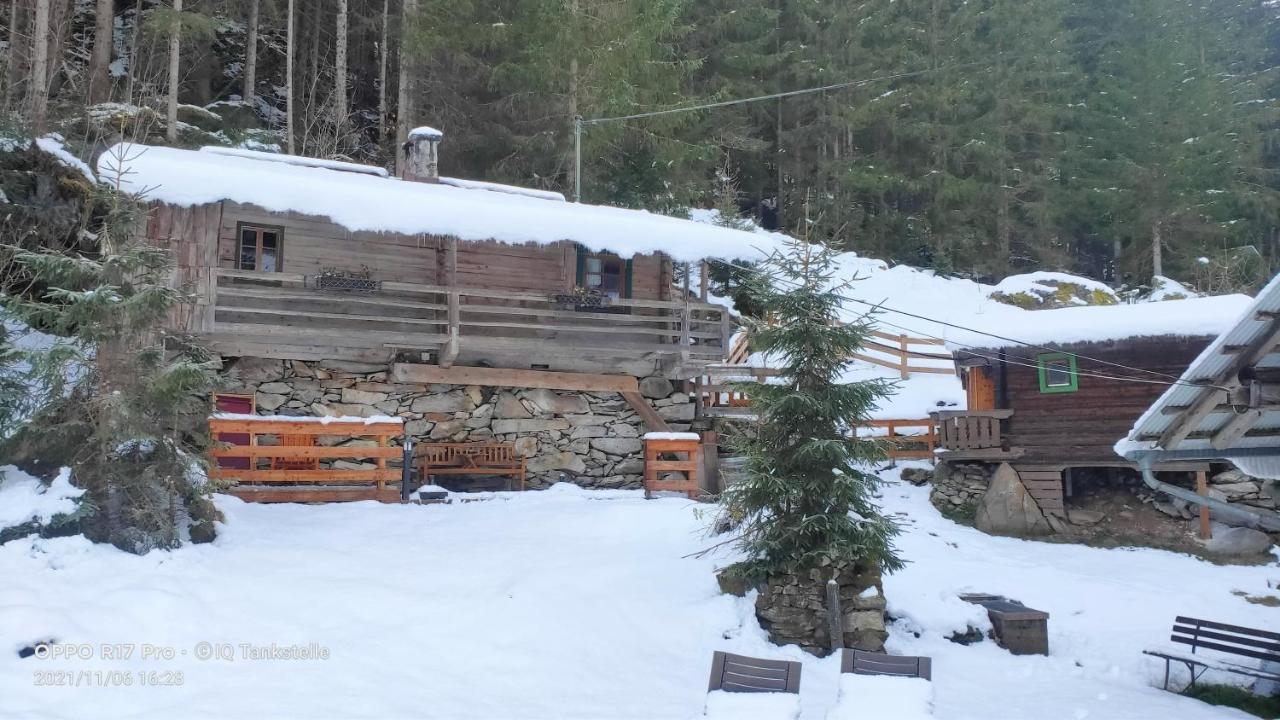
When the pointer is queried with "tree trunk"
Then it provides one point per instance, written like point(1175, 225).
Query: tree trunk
point(573, 109)
point(248, 91)
point(175, 45)
point(404, 99)
point(19, 53)
point(1157, 250)
point(39, 81)
point(135, 43)
point(99, 89)
point(382, 75)
point(340, 74)
point(288, 81)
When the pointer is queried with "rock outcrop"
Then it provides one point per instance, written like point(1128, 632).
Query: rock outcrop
point(1008, 509)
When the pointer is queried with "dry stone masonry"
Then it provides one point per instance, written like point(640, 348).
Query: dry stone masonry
point(792, 609)
point(588, 438)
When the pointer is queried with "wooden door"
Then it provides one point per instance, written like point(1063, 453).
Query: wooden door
point(982, 389)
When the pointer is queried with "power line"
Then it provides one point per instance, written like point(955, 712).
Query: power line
point(789, 93)
point(969, 347)
point(1160, 27)
point(1031, 363)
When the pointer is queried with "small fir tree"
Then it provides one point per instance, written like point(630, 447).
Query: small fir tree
point(130, 417)
point(805, 499)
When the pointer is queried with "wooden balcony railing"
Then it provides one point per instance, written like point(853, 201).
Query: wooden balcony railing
point(974, 434)
point(290, 309)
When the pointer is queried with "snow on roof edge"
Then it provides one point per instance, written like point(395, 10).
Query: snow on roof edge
point(361, 202)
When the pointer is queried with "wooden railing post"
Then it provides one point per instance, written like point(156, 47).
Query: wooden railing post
point(687, 319)
point(725, 332)
point(904, 369)
point(449, 352)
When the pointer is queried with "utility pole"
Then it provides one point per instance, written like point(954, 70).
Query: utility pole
point(577, 158)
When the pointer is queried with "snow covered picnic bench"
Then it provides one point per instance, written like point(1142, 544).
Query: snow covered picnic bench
point(1262, 645)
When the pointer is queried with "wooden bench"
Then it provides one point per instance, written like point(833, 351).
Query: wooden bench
point(1019, 629)
point(470, 459)
point(1227, 639)
point(741, 673)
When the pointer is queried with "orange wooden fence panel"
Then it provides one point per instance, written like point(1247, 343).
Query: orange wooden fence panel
point(690, 464)
point(295, 456)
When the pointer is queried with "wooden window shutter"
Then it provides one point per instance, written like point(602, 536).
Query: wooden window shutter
point(581, 274)
point(626, 288)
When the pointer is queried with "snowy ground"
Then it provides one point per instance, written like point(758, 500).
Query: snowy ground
point(565, 604)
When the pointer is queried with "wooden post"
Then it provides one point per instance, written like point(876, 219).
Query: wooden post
point(1202, 487)
point(381, 462)
point(711, 461)
point(703, 281)
point(902, 367)
point(835, 627)
point(725, 332)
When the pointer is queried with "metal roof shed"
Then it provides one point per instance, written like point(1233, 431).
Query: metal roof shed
point(1226, 406)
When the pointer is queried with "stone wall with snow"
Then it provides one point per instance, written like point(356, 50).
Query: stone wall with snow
point(588, 438)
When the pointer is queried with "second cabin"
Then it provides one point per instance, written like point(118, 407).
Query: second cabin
point(1059, 399)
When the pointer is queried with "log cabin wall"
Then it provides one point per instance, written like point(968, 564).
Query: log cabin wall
point(1080, 427)
point(312, 243)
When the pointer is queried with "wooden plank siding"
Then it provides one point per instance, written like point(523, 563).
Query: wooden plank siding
point(312, 243)
point(1081, 427)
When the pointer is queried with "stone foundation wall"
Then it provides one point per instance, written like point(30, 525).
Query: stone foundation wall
point(591, 439)
point(959, 487)
point(792, 609)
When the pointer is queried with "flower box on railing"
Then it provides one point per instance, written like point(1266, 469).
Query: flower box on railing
point(346, 281)
point(581, 300)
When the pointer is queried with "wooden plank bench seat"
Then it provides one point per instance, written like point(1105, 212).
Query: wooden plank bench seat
point(477, 458)
point(1234, 640)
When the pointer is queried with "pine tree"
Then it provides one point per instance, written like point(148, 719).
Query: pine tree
point(805, 496)
point(137, 396)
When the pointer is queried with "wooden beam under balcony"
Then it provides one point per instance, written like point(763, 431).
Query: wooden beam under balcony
point(506, 377)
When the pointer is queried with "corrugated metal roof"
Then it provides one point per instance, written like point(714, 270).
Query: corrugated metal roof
point(1221, 361)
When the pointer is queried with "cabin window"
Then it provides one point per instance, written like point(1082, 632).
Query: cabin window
point(1057, 373)
point(606, 274)
point(260, 249)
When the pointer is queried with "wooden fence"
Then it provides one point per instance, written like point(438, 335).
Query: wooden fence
point(907, 447)
point(293, 458)
point(899, 346)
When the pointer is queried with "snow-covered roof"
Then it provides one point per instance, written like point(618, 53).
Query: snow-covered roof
point(963, 312)
point(362, 198)
point(1212, 408)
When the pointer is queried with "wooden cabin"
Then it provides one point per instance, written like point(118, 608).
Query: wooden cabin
point(1073, 386)
point(297, 258)
point(472, 312)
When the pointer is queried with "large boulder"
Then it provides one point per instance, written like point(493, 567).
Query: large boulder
point(656, 387)
point(1008, 509)
point(1238, 541)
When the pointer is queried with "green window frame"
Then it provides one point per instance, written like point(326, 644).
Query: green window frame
point(1051, 366)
